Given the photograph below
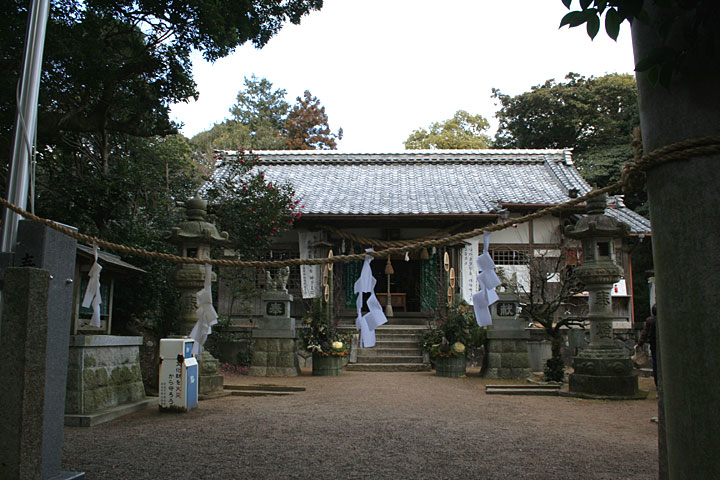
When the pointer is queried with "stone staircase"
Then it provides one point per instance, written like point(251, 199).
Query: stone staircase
point(397, 347)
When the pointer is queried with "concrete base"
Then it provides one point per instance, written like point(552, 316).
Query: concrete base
point(274, 357)
point(102, 416)
point(508, 357)
point(607, 386)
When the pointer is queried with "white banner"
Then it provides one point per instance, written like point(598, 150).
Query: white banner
point(310, 276)
point(469, 270)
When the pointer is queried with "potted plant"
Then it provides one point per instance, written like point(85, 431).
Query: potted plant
point(321, 337)
point(448, 338)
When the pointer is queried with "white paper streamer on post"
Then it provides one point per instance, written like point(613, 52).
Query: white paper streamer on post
point(92, 292)
point(207, 316)
point(487, 281)
point(375, 317)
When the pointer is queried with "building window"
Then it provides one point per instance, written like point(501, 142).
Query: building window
point(506, 256)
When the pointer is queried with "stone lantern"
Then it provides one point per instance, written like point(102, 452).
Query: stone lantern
point(196, 237)
point(601, 369)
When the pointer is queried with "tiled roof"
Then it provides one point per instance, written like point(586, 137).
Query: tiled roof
point(638, 224)
point(423, 182)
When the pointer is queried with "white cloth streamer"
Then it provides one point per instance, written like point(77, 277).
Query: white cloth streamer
point(367, 323)
point(92, 292)
point(487, 281)
point(207, 316)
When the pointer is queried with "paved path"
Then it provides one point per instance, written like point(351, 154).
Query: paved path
point(375, 425)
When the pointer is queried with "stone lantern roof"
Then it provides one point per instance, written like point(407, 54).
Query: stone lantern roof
point(196, 228)
point(596, 223)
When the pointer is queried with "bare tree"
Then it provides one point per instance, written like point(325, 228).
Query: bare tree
point(548, 287)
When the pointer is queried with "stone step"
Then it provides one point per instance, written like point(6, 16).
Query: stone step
point(261, 390)
point(387, 367)
point(378, 351)
point(250, 393)
point(522, 389)
point(395, 344)
point(266, 388)
point(390, 359)
point(392, 321)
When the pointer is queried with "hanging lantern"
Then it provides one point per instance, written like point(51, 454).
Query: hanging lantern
point(326, 293)
point(388, 267)
point(450, 295)
point(446, 261)
point(452, 278)
point(330, 265)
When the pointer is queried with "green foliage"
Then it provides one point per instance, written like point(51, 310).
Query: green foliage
point(262, 110)
point(594, 116)
point(320, 335)
point(114, 68)
point(453, 332)
point(228, 135)
point(685, 45)
point(128, 199)
point(463, 131)
point(251, 209)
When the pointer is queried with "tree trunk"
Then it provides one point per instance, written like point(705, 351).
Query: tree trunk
point(683, 198)
point(555, 367)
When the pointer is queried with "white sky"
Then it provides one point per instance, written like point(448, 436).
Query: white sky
point(383, 68)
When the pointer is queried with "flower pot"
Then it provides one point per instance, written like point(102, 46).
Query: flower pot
point(327, 366)
point(453, 367)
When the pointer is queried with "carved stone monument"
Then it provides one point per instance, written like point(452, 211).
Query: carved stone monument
point(274, 339)
point(601, 369)
point(196, 236)
point(507, 340)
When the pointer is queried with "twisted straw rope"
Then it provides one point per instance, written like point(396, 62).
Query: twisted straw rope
point(684, 150)
point(406, 247)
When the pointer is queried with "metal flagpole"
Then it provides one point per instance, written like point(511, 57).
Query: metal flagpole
point(26, 121)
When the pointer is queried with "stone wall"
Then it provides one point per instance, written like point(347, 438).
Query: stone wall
point(103, 372)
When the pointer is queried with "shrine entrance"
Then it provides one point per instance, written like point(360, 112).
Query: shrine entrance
point(413, 283)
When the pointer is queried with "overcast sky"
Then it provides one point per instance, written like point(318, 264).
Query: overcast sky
point(383, 68)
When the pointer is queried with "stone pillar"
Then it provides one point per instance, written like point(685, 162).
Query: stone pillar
point(601, 369)
point(30, 426)
point(507, 341)
point(274, 339)
point(54, 252)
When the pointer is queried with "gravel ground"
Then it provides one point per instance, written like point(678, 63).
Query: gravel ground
point(376, 425)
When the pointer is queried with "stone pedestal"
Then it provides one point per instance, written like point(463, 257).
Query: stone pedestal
point(507, 341)
point(210, 380)
point(274, 339)
point(103, 374)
